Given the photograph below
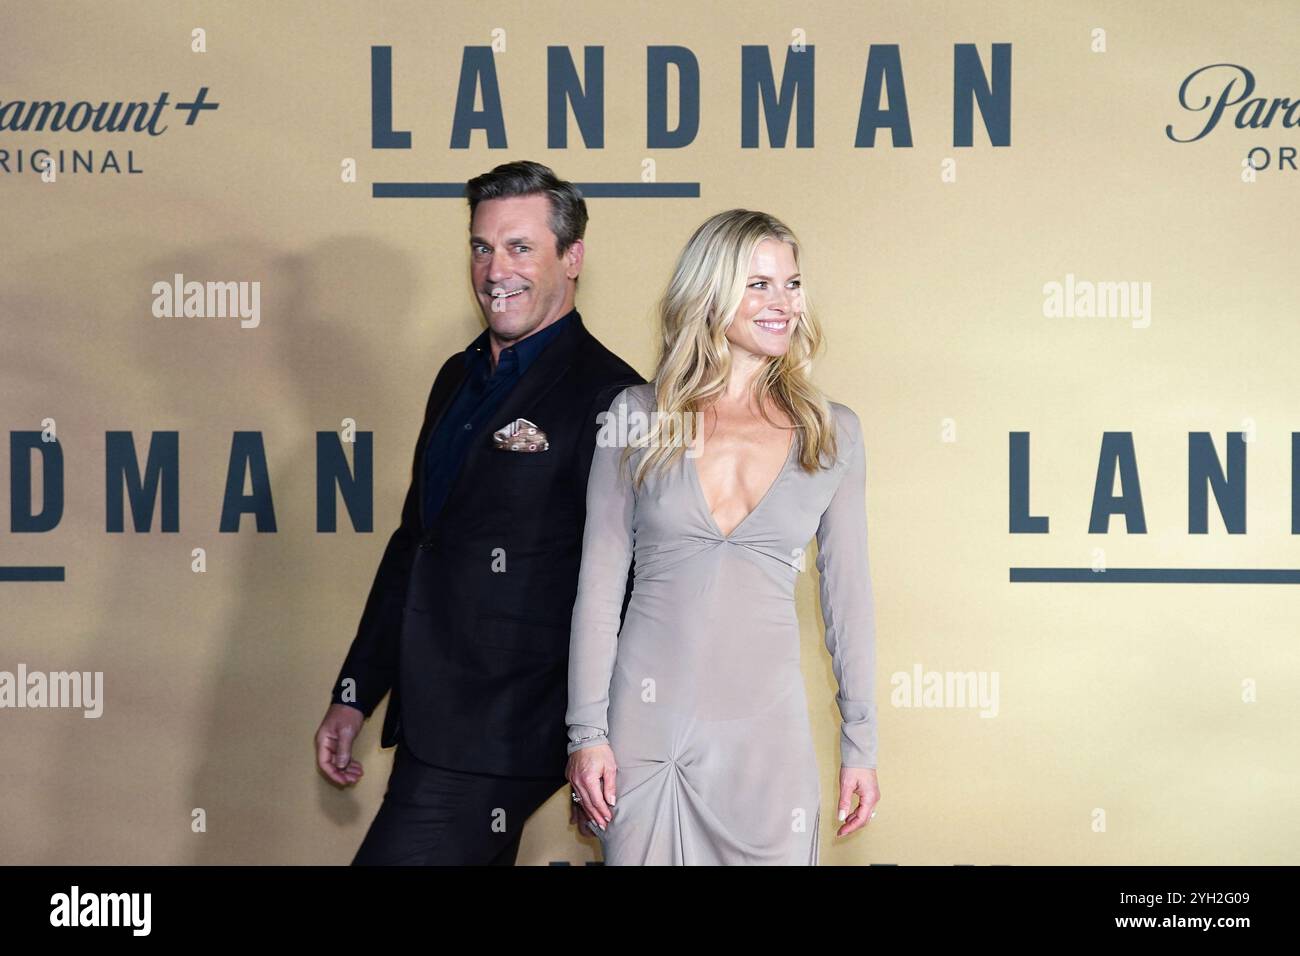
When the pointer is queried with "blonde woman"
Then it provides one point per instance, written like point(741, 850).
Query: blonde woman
point(689, 738)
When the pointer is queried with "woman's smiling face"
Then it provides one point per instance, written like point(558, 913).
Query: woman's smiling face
point(772, 304)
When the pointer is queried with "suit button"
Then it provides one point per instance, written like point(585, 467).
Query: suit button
point(426, 545)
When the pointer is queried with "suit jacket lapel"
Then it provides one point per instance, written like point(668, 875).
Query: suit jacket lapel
point(438, 405)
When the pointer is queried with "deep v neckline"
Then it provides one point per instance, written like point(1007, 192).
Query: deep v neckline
point(704, 501)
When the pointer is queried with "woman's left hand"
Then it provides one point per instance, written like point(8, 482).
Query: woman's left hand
point(862, 781)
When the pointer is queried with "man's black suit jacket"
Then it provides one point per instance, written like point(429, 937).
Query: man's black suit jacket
point(468, 623)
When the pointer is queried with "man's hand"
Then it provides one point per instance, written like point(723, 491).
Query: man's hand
point(862, 781)
point(334, 741)
point(591, 772)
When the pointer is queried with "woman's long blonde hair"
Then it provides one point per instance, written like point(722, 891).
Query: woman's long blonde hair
point(700, 303)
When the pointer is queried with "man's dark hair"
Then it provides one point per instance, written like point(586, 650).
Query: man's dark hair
point(568, 219)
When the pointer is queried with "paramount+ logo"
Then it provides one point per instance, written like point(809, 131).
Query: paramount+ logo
point(1224, 95)
point(50, 118)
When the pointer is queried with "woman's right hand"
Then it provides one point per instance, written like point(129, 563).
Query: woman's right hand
point(591, 772)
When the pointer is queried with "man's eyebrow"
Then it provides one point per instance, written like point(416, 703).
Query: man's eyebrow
point(479, 240)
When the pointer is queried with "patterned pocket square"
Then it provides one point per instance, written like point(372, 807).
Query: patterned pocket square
point(520, 435)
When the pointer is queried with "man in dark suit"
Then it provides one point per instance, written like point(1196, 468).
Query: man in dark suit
point(467, 622)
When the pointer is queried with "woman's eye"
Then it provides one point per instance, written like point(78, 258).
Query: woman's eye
point(758, 285)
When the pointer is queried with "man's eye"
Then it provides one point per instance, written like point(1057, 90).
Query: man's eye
point(521, 248)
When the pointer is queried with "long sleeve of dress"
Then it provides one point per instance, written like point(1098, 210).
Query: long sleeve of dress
point(602, 587)
point(847, 604)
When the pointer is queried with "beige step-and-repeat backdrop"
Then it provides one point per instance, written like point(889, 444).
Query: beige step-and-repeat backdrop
point(1052, 244)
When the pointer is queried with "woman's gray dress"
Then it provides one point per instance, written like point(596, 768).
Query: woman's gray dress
point(701, 696)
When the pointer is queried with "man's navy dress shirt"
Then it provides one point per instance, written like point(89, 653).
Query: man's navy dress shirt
point(475, 403)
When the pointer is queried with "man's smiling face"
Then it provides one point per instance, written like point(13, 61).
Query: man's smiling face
point(520, 281)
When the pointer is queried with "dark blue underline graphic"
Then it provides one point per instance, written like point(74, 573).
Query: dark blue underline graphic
point(589, 190)
point(1157, 575)
point(47, 573)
